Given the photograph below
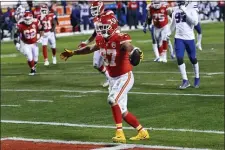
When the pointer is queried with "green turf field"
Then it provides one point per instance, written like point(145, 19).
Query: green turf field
point(74, 95)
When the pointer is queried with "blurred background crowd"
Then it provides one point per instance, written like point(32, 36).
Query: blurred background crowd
point(74, 16)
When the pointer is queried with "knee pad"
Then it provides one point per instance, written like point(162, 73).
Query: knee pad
point(111, 99)
point(180, 61)
point(193, 60)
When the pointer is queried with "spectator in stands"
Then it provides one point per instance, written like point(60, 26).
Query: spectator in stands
point(1, 22)
point(75, 17)
point(132, 13)
point(8, 23)
point(84, 14)
point(221, 5)
point(119, 6)
point(142, 12)
point(63, 3)
point(30, 4)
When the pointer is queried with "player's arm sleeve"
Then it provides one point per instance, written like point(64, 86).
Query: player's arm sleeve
point(16, 35)
point(191, 17)
point(173, 24)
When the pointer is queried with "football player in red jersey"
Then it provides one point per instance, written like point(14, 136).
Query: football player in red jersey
point(119, 57)
point(28, 31)
point(49, 23)
point(158, 13)
point(97, 10)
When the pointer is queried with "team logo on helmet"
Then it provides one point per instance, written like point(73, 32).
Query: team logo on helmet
point(113, 45)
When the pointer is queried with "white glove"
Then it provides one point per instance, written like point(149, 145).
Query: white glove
point(183, 8)
point(18, 46)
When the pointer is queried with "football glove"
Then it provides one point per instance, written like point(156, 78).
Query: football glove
point(66, 54)
point(18, 46)
point(144, 29)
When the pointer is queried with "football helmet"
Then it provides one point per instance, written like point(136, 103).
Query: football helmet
point(182, 2)
point(19, 13)
point(44, 10)
point(156, 4)
point(97, 8)
point(28, 18)
point(107, 26)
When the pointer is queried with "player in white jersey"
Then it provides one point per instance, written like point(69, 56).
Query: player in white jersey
point(194, 4)
point(184, 18)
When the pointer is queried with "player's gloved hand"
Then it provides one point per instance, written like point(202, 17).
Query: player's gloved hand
point(144, 29)
point(66, 54)
point(82, 44)
point(141, 55)
point(150, 27)
point(18, 46)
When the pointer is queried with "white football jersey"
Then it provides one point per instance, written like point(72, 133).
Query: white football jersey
point(19, 13)
point(184, 29)
point(194, 5)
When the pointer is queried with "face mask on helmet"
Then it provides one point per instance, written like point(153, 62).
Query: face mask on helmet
point(103, 30)
point(28, 20)
point(97, 8)
point(44, 10)
point(182, 2)
point(156, 5)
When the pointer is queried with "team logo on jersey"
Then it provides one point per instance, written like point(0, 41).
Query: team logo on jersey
point(113, 45)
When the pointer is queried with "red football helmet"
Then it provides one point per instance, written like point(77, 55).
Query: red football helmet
point(97, 8)
point(28, 18)
point(107, 26)
point(44, 10)
point(156, 4)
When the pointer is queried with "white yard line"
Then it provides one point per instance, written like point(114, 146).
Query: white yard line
point(10, 105)
point(119, 147)
point(152, 84)
point(72, 96)
point(9, 55)
point(103, 92)
point(106, 127)
point(36, 100)
point(144, 41)
point(97, 143)
point(173, 80)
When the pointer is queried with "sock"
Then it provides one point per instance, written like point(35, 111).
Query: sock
point(199, 37)
point(196, 70)
point(31, 64)
point(45, 52)
point(183, 72)
point(53, 51)
point(160, 50)
point(155, 49)
point(170, 47)
point(132, 121)
point(102, 69)
point(117, 115)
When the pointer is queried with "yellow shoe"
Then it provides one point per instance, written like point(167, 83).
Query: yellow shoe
point(142, 135)
point(120, 137)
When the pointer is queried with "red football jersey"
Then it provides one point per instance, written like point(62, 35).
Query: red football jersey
point(159, 16)
point(116, 61)
point(29, 32)
point(47, 21)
